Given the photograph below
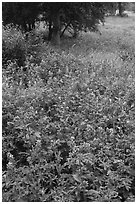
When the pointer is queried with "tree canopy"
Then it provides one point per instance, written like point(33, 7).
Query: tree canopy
point(59, 16)
point(23, 14)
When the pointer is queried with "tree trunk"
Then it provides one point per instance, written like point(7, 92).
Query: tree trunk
point(50, 31)
point(75, 35)
point(24, 26)
point(30, 28)
point(56, 29)
point(33, 24)
point(120, 8)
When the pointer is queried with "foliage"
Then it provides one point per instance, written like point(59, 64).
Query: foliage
point(69, 136)
point(20, 13)
point(17, 47)
point(130, 6)
point(13, 45)
point(111, 7)
point(83, 15)
point(75, 16)
point(58, 15)
point(61, 16)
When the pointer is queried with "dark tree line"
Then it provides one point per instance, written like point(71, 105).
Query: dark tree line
point(23, 14)
point(59, 16)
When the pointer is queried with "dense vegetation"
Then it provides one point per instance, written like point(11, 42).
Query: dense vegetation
point(57, 15)
point(61, 16)
point(68, 115)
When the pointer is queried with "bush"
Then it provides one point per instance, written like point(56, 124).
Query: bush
point(13, 45)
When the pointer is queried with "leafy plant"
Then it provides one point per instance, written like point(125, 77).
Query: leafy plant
point(69, 135)
point(13, 45)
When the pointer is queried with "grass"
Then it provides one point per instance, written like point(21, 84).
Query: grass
point(118, 35)
point(115, 47)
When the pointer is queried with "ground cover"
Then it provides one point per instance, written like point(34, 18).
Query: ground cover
point(68, 119)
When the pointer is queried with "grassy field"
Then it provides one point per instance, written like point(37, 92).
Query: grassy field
point(68, 133)
point(116, 44)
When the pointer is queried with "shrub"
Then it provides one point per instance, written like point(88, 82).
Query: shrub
point(13, 45)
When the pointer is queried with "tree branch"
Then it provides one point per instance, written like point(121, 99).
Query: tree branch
point(65, 29)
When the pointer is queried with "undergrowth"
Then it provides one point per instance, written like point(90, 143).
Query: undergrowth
point(68, 124)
